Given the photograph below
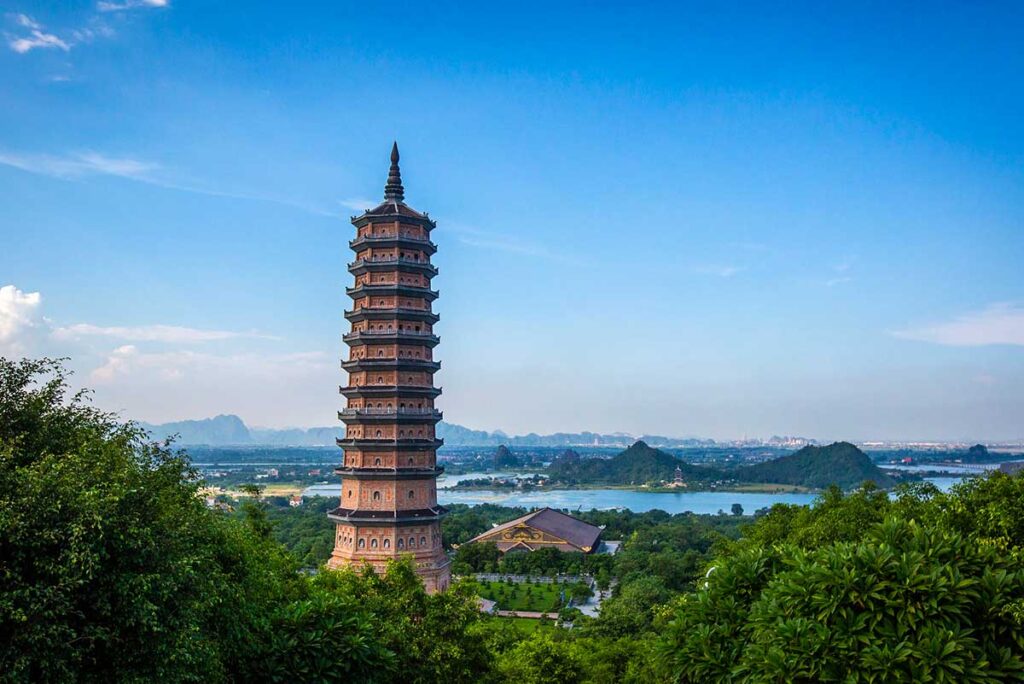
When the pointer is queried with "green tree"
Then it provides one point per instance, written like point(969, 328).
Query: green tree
point(112, 568)
point(906, 603)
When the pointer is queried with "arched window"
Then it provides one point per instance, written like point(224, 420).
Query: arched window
point(387, 543)
point(373, 543)
point(412, 461)
point(412, 542)
point(423, 542)
point(412, 494)
point(376, 496)
point(350, 493)
point(401, 543)
point(379, 434)
point(362, 543)
point(376, 461)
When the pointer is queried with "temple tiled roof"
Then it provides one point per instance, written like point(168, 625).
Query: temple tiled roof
point(576, 532)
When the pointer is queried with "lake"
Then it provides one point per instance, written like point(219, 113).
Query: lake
point(636, 501)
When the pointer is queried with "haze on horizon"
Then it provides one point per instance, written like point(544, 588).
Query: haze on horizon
point(651, 219)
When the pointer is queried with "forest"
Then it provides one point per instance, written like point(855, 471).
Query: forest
point(114, 570)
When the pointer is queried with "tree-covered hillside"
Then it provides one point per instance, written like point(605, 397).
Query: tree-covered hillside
point(639, 464)
point(840, 464)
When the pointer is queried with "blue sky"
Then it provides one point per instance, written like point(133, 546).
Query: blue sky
point(668, 218)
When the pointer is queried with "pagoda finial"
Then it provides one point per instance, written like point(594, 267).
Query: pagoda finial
point(393, 191)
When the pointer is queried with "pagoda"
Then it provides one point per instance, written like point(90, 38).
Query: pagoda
point(389, 473)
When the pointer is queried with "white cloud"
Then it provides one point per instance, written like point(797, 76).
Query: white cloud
point(20, 319)
point(84, 164)
point(270, 389)
point(832, 282)
point(104, 6)
point(171, 334)
point(37, 39)
point(1001, 323)
point(358, 204)
point(474, 237)
point(79, 164)
point(27, 21)
point(720, 271)
point(150, 373)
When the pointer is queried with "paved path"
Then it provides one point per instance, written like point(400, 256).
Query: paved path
point(593, 605)
point(526, 614)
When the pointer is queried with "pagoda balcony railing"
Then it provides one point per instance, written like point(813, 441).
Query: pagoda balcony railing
point(397, 310)
point(369, 289)
point(372, 334)
point(390, 362)
point(407, 237)
point(414, 309)
point(431, 412)
point(391, 260)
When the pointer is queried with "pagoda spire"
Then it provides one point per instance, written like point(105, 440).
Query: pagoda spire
point(393, 191)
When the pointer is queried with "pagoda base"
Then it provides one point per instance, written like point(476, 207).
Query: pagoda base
point(435, 574)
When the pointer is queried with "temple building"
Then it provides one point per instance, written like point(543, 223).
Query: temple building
point(543, 528)
point(388, 503)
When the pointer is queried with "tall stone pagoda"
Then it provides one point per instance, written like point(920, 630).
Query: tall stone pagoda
point(389, 490)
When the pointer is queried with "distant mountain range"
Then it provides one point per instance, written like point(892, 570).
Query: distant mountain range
point(229, 430)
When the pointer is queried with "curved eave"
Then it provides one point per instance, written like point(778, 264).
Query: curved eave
point(361, 266)
point(425, 246)
point(419, 515)
point(373, 337)
point(390, 444)
point(373, 216)
point(392, 291)
point(389, 391)
point(388, 473)
point(386, 314)
point(376, 419)
point(391, 364)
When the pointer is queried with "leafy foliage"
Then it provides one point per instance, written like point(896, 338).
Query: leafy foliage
point(859, 588)
point(112, 569)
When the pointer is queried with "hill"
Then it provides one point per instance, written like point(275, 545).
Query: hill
point(639, 464)
point(840, 463)
point(223, 430)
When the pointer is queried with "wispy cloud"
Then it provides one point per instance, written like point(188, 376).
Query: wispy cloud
point(725, 271)
point(358, 203)
point(172, 334)
point(752, 246)
point(36, 38)
point(29, 34)
point(76, 165)
point(103, 6)
point(1000, 323)
point(479, 239)
point(832, 282)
